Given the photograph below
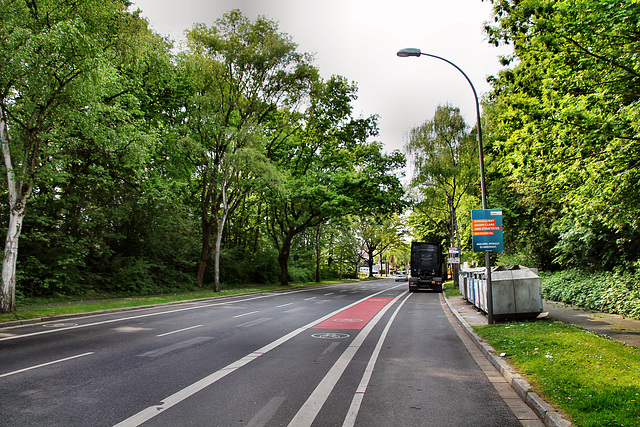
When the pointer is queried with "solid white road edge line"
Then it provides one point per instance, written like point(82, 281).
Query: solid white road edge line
point(152, 411)
point(308, 412)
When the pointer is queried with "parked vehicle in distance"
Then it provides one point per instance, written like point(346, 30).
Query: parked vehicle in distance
point(428, 267)
point(401, 276)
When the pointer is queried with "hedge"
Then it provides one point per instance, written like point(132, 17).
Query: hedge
point(616, 293)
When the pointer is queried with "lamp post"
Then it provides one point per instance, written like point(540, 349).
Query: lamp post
point(403, 53)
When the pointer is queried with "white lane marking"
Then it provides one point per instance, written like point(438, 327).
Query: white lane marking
point(352, 413)
point(245, 314)
point(179, 330)
point(267, 412)
point(328, 293)
point(284, 305)
point(308, 412)
point(175, 347)
point(329, 349)
point(179, 396)
point(254, 322)
point(123, 319)
point(293, 310)
point(45, 364)
point(308, 299)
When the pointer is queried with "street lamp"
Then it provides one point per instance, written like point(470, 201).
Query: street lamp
point(403, 53)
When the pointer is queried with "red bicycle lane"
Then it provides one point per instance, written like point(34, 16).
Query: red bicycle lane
point(355, 317)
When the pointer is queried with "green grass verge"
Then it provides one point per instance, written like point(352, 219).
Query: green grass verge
point(450, 290)
point(595, 380)
point(58, 307)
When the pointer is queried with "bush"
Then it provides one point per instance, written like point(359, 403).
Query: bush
point(617, 293)
point(238, 265)
point(301, 274)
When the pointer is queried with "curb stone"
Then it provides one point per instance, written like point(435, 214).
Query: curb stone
point(547, 413)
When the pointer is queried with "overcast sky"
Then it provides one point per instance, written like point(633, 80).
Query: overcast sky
point(358, 39)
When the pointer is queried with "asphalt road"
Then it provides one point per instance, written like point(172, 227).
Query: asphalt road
point(363, 354)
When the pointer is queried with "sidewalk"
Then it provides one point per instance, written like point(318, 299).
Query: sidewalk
point(469, 316)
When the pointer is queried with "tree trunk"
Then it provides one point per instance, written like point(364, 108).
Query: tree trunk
point(318, 255)
point(283, 260)
point(216, 259)
point(17, 211)
point(370, 263)
point(7, 297)
point(204, 253)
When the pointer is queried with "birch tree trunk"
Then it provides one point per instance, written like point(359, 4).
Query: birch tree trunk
point(17, 200)
point(221, 222)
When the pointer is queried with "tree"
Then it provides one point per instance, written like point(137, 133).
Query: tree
point(240, 72)
point(342, 247)
point(330, 169)
point(56, 77)
point(564, 124)
point(379, 234)
point(445, 163)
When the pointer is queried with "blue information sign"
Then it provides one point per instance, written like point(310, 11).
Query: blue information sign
point(486, 230)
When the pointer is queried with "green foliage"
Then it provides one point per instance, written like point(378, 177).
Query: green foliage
point(242, 265)
point(563, 130)
point(594, 380)
point(444, 154)
point(330, 168)
point(617, 293)
point(239, 72)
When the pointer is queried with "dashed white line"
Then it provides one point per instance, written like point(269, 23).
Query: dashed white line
point(267, 412)
point(245, 314)
point(179, 330)
point(141, 316)
point(45, 364)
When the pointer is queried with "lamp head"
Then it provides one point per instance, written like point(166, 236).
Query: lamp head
point(410, 51)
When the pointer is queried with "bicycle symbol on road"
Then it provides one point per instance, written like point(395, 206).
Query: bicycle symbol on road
point(330, 336)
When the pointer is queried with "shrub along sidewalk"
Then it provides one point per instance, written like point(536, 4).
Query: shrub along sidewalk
point(616, 293)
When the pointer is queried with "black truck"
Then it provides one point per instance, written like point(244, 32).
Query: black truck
point(428, 267)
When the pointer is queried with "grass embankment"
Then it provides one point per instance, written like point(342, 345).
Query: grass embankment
point(595, 380)
point(62, 306)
